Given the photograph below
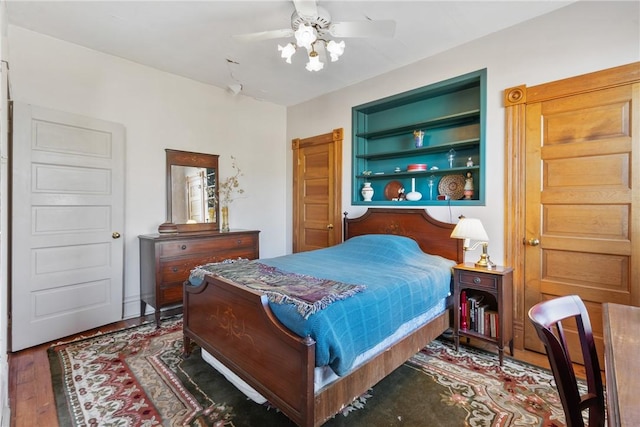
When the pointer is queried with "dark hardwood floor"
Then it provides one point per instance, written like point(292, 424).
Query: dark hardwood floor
point(31, 394)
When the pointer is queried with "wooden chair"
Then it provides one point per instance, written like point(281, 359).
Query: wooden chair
point(548, 317)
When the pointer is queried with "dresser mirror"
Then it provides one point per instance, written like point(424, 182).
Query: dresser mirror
point(192, 191)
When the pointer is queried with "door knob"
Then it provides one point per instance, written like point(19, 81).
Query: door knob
point(115, 235)
point(532, 242)
point(330, 227)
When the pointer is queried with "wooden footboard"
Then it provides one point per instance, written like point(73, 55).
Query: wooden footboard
point(236, 326)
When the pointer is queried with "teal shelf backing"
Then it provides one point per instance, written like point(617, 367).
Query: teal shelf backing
point(452, 115)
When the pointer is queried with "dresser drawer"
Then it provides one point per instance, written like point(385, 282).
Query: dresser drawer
point(487, 281)
point(219, 244)
point(170, 294)
point(177, 270)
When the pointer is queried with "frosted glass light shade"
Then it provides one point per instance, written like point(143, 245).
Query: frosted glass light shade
point(305, 36)
point(287, 52)
point(314, 63)
point(335, 50)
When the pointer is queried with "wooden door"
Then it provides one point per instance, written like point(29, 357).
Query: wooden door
point(67, 216)
point(581, 201)
point(196, 197)
point(317, 191)
point(579, 207)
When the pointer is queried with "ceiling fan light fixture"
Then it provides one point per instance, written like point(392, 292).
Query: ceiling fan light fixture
point(314, 63)
point(311, 24)
point(287, 51)
point(335, 49)
point(305, 36)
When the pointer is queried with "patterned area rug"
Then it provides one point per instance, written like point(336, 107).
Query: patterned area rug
point(137, 377)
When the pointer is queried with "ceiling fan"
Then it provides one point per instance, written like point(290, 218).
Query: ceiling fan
point(312, 28)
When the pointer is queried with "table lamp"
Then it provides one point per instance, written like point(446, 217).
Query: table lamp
point(472, 229)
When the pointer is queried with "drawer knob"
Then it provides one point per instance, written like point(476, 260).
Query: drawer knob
point(174, 269)
point(183, 247)
point(477, 280)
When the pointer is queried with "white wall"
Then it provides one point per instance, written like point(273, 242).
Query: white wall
point(583, 37)
point(161, 110)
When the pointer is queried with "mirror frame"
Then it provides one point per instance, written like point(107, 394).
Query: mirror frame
point(199, 160)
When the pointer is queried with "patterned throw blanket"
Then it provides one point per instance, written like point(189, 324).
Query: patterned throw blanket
point(308, 294)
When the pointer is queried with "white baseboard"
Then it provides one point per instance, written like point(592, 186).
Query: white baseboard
point(6, 417)
point(131, 308)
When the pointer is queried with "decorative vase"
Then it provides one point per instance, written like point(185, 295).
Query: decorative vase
point(450, 156)
point(418, 138)
point(224, 217)
point(367, 192)
point(413, 195)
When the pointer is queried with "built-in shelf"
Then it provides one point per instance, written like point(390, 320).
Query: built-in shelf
point(418, 174)
point(412, 152)
point(452, 116)
point(439, 122)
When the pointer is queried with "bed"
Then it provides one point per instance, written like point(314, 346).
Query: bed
point(238, 328)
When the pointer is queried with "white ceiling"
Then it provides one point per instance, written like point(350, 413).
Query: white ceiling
point(194, 38)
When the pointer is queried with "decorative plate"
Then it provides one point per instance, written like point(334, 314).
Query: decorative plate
point(392, 189)
point(452, 186)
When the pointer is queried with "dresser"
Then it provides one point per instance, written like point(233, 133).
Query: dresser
point(167, 260)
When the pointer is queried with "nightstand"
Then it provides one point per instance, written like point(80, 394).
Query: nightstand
point(483, 305)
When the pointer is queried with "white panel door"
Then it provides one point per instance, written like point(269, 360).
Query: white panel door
point(66, 223)
point(196, 196)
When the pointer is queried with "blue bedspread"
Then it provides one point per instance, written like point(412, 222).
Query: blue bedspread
point(401, 282)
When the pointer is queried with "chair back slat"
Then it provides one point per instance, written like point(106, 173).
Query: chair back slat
point(550, 319)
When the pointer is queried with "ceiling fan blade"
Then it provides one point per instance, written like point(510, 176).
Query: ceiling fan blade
point(264, 35)
point(363, 29)
point(306, 8)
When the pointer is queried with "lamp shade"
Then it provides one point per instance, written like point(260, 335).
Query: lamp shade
point(470, 228)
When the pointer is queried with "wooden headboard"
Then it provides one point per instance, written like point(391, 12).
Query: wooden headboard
point(433, 236)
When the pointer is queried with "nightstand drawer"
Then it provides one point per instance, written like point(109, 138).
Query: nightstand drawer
point(476, 280)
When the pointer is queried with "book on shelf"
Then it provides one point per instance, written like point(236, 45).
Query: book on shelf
point(472, 302)
point(477, 316)
point(475, 310)
point(493, 323)
point(463, 311)
point(480, 317)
